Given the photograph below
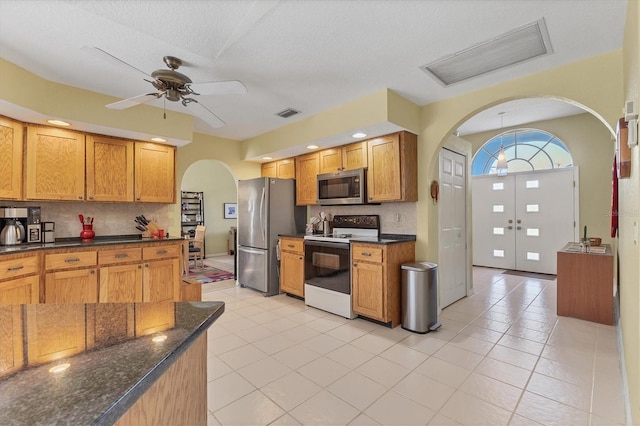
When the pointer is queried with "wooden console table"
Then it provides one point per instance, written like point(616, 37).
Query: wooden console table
point(585, 284)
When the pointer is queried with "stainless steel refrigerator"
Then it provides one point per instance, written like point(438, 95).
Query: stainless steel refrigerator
point(266, 209)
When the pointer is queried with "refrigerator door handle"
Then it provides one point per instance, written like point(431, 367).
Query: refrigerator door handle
point(263, 216)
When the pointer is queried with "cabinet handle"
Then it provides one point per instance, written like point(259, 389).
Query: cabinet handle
point(79, 197)
point(92, 272)
point(161, 252)
point(364, 253)
point(121, 255)
point(146, 265)
point(72, 260)
point(355, 265)
point(138, 198)
point(139, 266)
point(290, 245)
point(15, 268)
point(91, 197)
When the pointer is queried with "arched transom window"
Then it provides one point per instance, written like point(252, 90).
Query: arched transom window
point(525, 150)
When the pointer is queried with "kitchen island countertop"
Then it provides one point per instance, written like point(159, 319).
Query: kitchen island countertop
point(117, 362)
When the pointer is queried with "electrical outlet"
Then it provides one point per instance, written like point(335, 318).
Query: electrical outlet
point(397, 217)
point(635, 232)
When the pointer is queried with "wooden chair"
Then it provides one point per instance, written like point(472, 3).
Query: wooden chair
point(196, 246)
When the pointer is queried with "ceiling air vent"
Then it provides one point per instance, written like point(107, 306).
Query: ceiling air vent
point(513, 47)
point(287, 113)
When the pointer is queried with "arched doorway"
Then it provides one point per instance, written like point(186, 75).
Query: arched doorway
point(215, 181)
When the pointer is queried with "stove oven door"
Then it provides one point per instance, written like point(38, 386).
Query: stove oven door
point(327, 265)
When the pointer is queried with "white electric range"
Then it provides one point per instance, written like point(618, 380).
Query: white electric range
point(327, 263)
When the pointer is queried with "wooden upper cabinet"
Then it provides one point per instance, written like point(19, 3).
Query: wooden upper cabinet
point(393, 169)
point(109, 163)
point(307, 168)
point(11, 149)
point(55, 164)
point(346, 157)
point(154, 173)
point(283, 169)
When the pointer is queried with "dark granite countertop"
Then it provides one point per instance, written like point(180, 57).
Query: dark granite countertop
point(118, 365)
point(382, 239)
point(77, 242)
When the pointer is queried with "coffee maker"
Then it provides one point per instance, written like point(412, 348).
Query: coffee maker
point(20, 225)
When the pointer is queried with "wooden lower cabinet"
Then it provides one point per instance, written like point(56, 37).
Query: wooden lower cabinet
point(161, 281)
point(292, 266)
point(76, 286)
point(19, 291)
point(121, 283)
point(376, 279)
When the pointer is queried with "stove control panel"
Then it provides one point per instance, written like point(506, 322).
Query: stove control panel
point(356, 221)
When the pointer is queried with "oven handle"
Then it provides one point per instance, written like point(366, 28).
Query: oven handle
point(326, 244)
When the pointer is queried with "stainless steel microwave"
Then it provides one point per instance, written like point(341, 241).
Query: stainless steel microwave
point(343, 187)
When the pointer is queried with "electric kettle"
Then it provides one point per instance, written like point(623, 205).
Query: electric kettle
point(12, 233)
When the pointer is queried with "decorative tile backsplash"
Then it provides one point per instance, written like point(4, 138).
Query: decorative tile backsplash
point(395, 218)
point(109, 218)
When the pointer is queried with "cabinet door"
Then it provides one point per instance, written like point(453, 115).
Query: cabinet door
point(292, 273)
point(286, 168)
point(354, 156)
point(330, 160)
point(11, 338)
point(54, 333)
point(161, 281)
point(307, 167)
point(55, 164)
point(368, 290)
point(154, 173)
point(121, 284)
point(19, 291)
point(384, 183)
point(109, 163)
point(11, 148)
point(78, 286)
point(269, 169)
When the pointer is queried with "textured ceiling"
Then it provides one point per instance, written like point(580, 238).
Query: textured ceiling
point(309, 55)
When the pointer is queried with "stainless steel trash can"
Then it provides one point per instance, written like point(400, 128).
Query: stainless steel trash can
point(419, 293)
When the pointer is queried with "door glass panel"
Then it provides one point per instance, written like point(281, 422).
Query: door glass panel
point(533, 232)
point(532, 184)
point(498, 208)
point(498, 186)
point(498, 253)
point(498, 231)
point(533, 208)
point(533, 256)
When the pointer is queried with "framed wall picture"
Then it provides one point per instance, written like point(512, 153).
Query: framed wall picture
point(230, 210)
point(623, 152)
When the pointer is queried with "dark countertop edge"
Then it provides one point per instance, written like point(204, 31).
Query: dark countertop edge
point(77, 243)
point(382, 239)
point(119, 407)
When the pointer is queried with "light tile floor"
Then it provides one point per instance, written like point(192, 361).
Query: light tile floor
point(502, 356)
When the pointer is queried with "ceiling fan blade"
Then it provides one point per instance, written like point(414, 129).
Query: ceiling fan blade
point(205, 114)
point(99, 53)
point(136, 100)
point(231, 87)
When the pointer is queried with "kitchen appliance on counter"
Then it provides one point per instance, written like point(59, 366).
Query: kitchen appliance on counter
point(346, 187)
point(20, 225)
point(327, 263)
point(48, 232)
point(266, 209)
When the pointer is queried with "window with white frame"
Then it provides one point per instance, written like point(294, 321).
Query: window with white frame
point(525, 150)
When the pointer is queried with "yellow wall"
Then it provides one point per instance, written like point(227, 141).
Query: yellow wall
point(629, 207)
point(591, 146)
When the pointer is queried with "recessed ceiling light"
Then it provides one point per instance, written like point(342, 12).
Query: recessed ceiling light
point(267, 158)
point(312, 146)
point(358, 135)
point(58, 123)
point(59, 368)
point(156, 139)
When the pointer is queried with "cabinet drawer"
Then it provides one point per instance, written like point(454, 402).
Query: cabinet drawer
point(107, 257)
point(70, 260)
point(292, 244)
point(160, 252)
point(21, 266)
point(367, 254)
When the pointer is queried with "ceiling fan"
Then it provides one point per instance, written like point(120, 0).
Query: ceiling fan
point(175, 87)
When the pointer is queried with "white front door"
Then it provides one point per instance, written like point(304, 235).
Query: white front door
point(520, 221)
point(452, 212)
